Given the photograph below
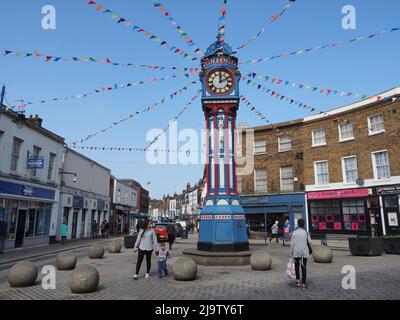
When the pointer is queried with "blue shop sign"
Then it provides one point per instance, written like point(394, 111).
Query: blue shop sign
point(35, 163)
point(77, 202)
point(16, 189)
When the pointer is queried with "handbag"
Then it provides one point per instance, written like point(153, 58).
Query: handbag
point(309, 247)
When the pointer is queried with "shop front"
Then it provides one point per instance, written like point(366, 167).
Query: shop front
point(389, 197)
point(263, 211)
point(27, 210)
point(120, 221)
point(346, 212)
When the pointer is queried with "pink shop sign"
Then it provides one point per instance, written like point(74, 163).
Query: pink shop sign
point(338, 194)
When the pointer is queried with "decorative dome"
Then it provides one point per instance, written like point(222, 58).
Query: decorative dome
point(217, 47)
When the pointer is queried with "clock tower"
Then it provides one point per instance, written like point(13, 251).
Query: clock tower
point(222, 218)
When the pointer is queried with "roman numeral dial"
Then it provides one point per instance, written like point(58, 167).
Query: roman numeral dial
point(220, 81)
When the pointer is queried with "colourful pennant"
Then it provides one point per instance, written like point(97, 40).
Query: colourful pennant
point(48, 58)
point(333, 45)
point(183, 34)
point(149, 35)
point(315, 89)
point(253, 108)
point(133, 115)
point(103, 89)
point(273, 19)
point(281, 97)
point(173, 119)
point(221, 22)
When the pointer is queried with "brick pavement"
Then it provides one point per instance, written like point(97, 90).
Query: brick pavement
point(377, 278)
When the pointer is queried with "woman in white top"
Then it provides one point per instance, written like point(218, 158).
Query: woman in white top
point(145, 242)
point(300, 252)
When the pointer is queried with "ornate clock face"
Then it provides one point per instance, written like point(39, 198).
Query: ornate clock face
point(220, 81)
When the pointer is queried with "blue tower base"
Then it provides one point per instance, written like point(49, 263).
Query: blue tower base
point(223, 226)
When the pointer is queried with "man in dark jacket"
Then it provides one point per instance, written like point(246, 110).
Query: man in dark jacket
point(3, 233)
point(171, 234)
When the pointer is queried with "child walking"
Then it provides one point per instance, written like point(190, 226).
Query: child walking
point(163, 255)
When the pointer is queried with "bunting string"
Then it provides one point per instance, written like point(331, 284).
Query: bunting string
point(221, 22)
point(51, 58)
point(174, 119)
point(135, 149)
point(274, 18)
point(134, 115)
point(23, 104)
point(282, 97)
point(320, 90)
point(254, 109)
point(173, 49)
point(333, 45)
point(183, 34)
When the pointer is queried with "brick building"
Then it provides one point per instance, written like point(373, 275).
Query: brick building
point(275, 189)
point(340, 170)
point(352, 168)
point(143, 197)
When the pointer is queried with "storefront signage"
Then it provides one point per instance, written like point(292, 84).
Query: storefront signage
point(206, 217)
point(77, 202)
point(27, 191)
point(380, 191)
point(338, 194)
point(254, 200)
point(35, 163)
point(392, 218)
point(15, 189)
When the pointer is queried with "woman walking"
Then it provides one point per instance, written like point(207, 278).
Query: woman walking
point(300, 252)
point(145, 243)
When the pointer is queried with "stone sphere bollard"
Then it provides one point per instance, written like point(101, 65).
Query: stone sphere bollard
point(114, 247)
point(22, 274)
point(66, 261)
point(260, 261)
point(96, 251)
point(84, 279)
point(322, 254)
point(185, 269)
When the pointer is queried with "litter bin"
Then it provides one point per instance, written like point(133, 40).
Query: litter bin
point(184, 234)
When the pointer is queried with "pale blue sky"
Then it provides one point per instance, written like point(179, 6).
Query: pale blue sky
point(369, 67)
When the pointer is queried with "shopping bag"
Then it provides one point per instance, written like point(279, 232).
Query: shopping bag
point(290, 271)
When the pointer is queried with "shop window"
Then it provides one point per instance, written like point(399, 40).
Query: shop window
point(43, 217)
point(325, 216)
point(391, 202)
point(354, 215)
point(30, 222)
point(11, 218)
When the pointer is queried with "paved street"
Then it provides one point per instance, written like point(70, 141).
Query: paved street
point(376, 279)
